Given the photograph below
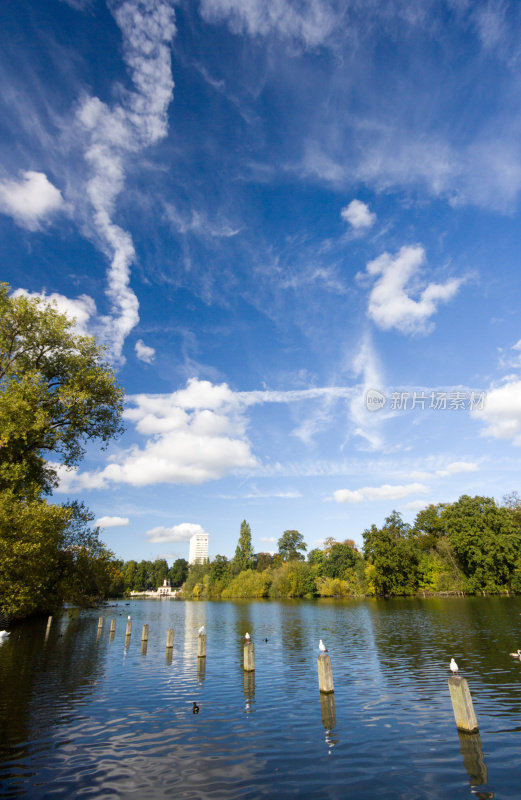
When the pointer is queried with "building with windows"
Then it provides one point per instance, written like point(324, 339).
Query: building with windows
point(198, 548)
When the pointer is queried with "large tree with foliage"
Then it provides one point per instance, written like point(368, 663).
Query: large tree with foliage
point(487, 543)
point(244, 555)
point(392, 557)
point(57, 392)
point(291, 546)
point(178, 572)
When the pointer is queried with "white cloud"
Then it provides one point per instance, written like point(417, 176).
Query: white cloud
point(365, 365)
point(177, 533)
point(457, 467)
point(187, 442)
point(385, 492)
point(193, 435)
point(415, 505)
point(390, 305)
point(501, 413)
point(311, 22)
point(268, 539)
point(82, 309)
point(144, 352)
point(30, 200)
point(112, 522)
point(111, 135)
point(358, 215)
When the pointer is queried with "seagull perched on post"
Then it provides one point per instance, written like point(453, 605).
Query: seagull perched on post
point(322, 647)
point(453, 666)
point(247, 636)
point(201, 630)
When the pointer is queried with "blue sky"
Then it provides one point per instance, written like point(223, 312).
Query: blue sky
point(296, 227)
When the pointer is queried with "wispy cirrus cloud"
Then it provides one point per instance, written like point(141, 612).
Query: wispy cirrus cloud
point(111, 135)
point(373, 493)
point(311, 23)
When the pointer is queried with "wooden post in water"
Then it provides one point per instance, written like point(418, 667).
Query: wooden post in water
point(249, 656)
point(325, 674)
point(144, 633)
point(201, 645)
point(169, 638)
point(48, 628)
point(112, 627)
point(100, 623)
point(128, 631)
point(462, 705)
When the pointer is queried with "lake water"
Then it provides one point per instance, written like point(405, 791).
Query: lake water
point(83, 715)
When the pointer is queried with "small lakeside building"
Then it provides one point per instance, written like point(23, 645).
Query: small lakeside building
point(164, 592)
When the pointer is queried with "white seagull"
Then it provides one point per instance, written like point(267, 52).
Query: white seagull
point(453, 666)
point(516, 655)
point(3, 635)
point(128, 616)
point(247, 636)
point(322, 647)
point(201, 630)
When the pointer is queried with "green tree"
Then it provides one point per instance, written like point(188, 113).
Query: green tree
point(392, 557)
point(263, 561)
point(244, 556)
point(486, 541)
point(316, 558)
point(291, 546)
point(31, 533)
point(57, 392)
point(429, 526)
point(339, 560)
point(178, 572)
point(220, 569)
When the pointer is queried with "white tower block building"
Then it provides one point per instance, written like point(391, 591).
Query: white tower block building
point(198, 548)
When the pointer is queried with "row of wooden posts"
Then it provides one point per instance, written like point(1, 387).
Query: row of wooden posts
point(461, 698)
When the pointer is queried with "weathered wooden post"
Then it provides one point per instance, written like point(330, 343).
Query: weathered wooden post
point(169, 638)
point(201, 645)
point(100, 623)
point(112, 629)
point(144, 633)
point(325, 673)
point(249, 656)
point(128, 631)
point(48, 628)
point(462, 705)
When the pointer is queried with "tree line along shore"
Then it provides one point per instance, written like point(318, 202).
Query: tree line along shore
point(471, 546)
point(58, 393)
